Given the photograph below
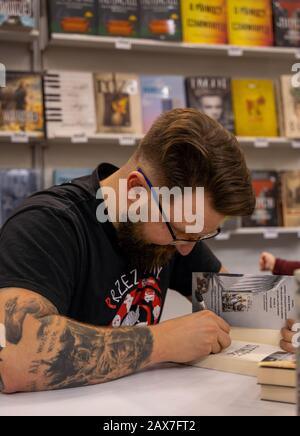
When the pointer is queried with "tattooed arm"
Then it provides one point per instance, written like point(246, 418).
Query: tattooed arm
point(45, 351)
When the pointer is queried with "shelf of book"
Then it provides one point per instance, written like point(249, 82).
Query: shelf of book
point(265, 232)
point(20, 138)
point(23, 37)
point(89, 41)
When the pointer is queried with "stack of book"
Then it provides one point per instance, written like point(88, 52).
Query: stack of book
point(277, 377)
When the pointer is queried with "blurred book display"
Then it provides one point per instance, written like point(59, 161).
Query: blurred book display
point(73, 16)
point(266, 185)
point(17, 15)
point(160, 94)
point(21, 104)
point(290, 107)
point(117, 18)
point(287, 23)
point(118, 103)
point(69, 104)
point(255, 111)
point(66, 175)
point(291, 198)
point(250, 22)
point(160, 19)
point(204, 22)
point(15, 186)
point(212, 96)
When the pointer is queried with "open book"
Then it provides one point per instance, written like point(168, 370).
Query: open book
point(256, 306)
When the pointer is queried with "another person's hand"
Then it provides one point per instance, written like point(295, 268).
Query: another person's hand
point(288, 334)
point(267, 262)
point(192, 337)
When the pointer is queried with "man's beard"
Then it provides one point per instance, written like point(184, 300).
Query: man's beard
point(140, 254)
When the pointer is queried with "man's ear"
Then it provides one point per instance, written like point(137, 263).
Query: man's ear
point(135, 180)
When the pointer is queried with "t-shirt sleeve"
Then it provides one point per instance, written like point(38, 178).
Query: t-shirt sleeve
point(201, 259)
point(39, 252)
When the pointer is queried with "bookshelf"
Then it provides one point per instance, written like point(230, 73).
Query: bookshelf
point(144, 45)
point(38, 52)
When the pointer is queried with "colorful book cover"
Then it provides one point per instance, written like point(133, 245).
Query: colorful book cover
point(69, 103)
point(212, 96)
point(21, 104)
point(118, 103)
point(73, 16)
point(291, 198)
point(291, 107)
point(17, 14)
point(286, 23)
point(118, 18)
point(66, 175)
point(250, 22)
point(254, 103)
point(161, 94)
point(15, 186)
point(204, 21)
point(160, 19)
point(266, 185)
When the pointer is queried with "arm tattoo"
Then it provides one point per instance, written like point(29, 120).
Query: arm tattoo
point(16, 310)
point(86, 355)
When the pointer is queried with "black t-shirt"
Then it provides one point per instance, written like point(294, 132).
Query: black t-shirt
point(54, 245)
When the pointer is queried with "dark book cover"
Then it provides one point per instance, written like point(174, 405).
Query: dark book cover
point(21, 104)
point(17, 15)
point(117, 18)
point(266, 185)
point(161, 19)
point(73, 16)
point(212, 96)
point(286, 23)
point(15, 186)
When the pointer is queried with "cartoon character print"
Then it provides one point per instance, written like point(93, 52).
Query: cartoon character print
point(141, 306)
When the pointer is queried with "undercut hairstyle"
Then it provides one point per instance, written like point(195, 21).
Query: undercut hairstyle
point(186, 148)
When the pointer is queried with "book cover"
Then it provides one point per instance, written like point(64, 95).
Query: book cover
point(255, 110)
point(117, 18)
point(66, 175)
point(70, 107)
point(212, 96)
point(204, 21)
point(240, 358)
point(160, 20)
point(15, 186)
point(250, 22)
point(291, 198)
point(266, 185)
point(286, 15)
point(118, 103)
point(248, 301)
point(17, 15)
point(160, 94)
point(291, 107)
point(21, 104)
point(73, 16)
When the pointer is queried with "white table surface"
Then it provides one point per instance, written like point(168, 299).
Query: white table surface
point(167, 390)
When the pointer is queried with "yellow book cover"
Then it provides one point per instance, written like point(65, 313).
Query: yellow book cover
point(204, 21)
point(255, 107)
point(250, 22)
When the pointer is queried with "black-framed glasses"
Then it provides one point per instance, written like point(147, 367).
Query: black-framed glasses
point(176, 241)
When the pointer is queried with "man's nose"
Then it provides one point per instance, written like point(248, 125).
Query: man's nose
point(186, 249)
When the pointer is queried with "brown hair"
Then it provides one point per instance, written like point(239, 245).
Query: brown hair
point(188, 149)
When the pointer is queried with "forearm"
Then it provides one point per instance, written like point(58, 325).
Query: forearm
point(57, 353)
point(284, 267)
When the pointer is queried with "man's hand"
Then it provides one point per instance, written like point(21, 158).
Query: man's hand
point(190, 338)
point(267, 262)
point(287, 334)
